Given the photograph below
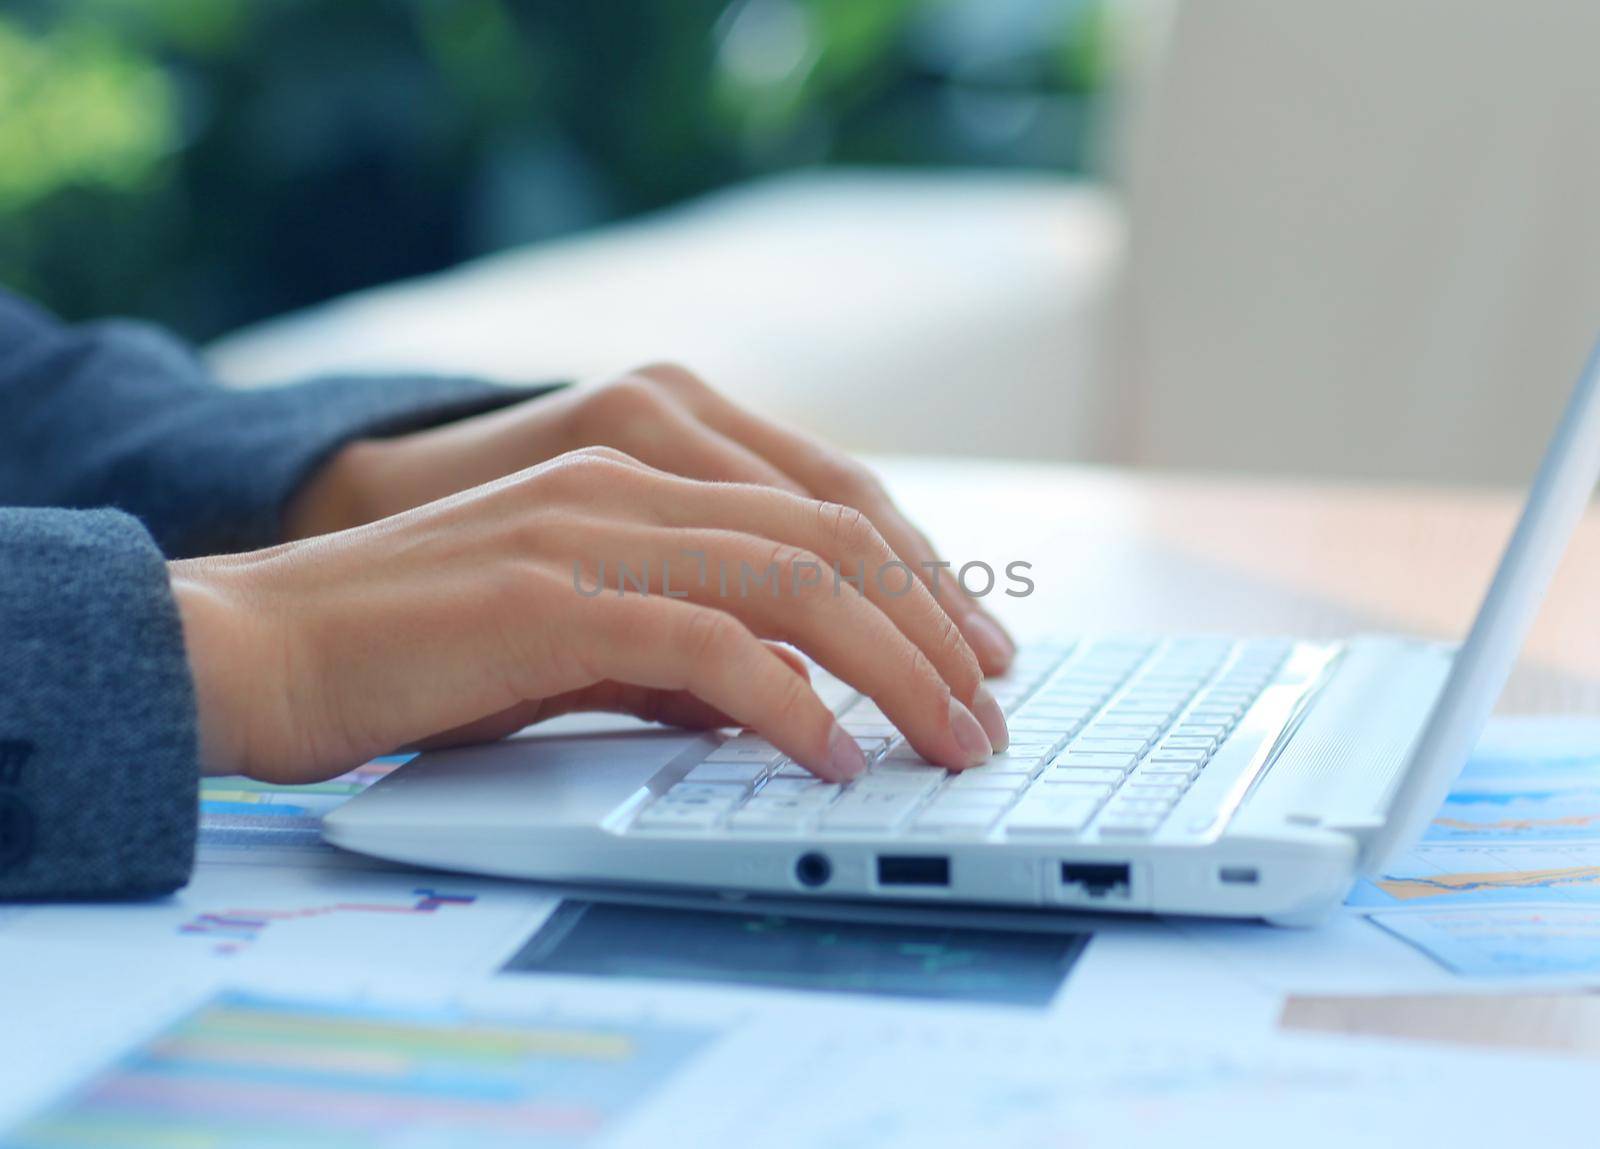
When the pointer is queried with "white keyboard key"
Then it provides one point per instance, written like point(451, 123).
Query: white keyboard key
point(877, 810)
point(754, 751)
point(678, 816)
point(1155, 771)
point(1145, 734)
point(1134, 746)
point(1025, 745)
point(1212, 730)
point(728, 773)
point(810, 789)
point(1077, 759)
point(1126, 805)
point(981, 778)
point(918, 768)
point(1130, 826)
point(899, 781)
point(948, 799)
point(1050, 727)
point(864, 729)
point(970, 819)
point(1050, 788)
point(1028, 762)
point(1163, 755)
point(1043, 817)
point(1054, 710)
point(1079, 774)
point(792, 770)
point(1138, 789)
point(778, 816)
point(1174, 743)
point(692, 792)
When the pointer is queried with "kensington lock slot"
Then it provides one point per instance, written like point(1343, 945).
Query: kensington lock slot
point(913, 870)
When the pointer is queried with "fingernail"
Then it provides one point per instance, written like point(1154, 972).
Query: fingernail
point(991, 644)
point(845, 757)
point(993, 719)
point(970, 737)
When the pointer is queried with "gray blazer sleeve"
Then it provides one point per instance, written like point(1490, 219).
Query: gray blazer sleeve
point(118, 451)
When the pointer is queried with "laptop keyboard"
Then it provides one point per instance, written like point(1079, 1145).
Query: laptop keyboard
point(1106, 736)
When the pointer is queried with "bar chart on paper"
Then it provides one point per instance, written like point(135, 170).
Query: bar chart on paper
point(242, 819)
point(246, 1070)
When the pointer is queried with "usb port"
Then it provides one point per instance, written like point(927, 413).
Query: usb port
point(908, 870)
point(1098, 881)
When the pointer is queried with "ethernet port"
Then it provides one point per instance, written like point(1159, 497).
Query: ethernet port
point(1097, 881)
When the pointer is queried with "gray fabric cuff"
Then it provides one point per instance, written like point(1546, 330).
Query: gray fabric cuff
point(98, 746)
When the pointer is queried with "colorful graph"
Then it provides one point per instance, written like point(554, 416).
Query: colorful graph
point(240, 814)
point(236, 929)
point(1521, 825)
point(246, 1070)
point(1487, 875)
point(1504, 941)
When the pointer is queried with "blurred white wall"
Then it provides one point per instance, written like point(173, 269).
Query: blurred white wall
point(1364, 235)
point(889, 311)
point(1349, 237)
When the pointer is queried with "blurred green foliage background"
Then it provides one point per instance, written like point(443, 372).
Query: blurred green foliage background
point(204, 163)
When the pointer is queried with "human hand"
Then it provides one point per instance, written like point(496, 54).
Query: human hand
point(462, 620)
point(662, 415)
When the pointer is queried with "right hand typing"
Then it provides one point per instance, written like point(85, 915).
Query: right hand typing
point(462, 620)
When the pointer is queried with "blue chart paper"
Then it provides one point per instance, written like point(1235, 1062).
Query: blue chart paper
point(1506, 881)
point(1495, 942)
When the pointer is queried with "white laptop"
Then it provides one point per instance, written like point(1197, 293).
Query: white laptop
point(1242, 778)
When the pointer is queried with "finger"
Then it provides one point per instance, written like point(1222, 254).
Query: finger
point(637, 415)
point(667, 707)
point(749, 578)
point(843, 536)
point(794, 658)
point(672, 645)
point(829, 474)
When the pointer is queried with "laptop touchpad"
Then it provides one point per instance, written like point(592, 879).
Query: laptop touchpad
point(546, 776)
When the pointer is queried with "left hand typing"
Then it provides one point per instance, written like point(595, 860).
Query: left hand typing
point(662, 415)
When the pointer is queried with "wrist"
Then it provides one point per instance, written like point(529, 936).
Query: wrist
point(344, 493)
point(213, 635)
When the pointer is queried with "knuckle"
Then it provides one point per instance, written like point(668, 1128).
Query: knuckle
point(673, 375)
point(578, 473)
point(790, 560)
point(921, 668)
point(598, 453)
point(708, 634)
point(621, 402)
point(854, 481)
point(953, 646)
point(847, 527)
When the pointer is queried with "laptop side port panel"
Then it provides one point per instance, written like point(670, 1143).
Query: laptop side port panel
point(1105, 883)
